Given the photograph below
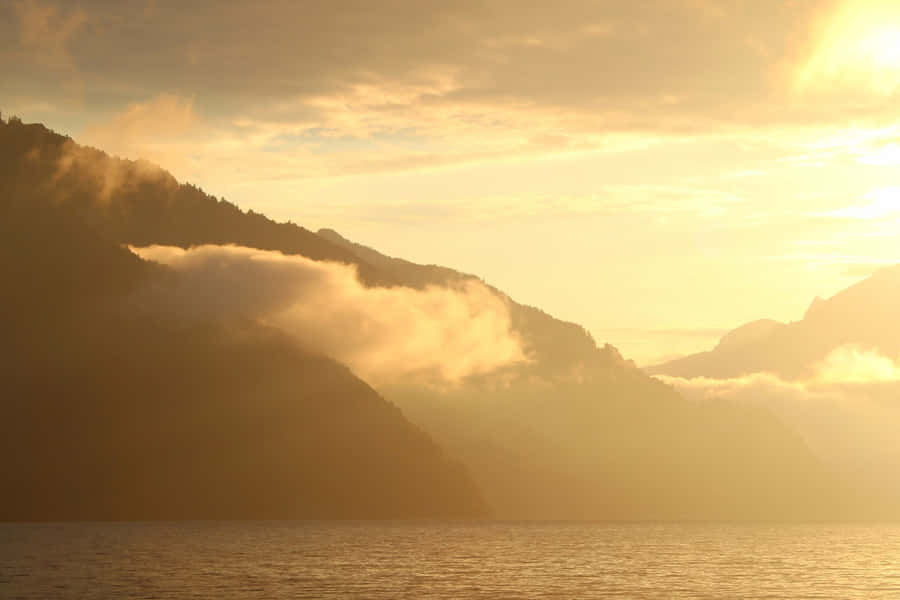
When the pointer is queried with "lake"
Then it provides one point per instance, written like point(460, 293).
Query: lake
point(448, 560)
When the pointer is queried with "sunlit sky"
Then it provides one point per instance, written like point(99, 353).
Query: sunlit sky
point(656, 171)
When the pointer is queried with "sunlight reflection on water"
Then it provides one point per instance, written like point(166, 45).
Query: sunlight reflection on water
point(448, 560)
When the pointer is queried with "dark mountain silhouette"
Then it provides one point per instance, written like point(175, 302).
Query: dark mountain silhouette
point(864, 314)
point(138, 203)
point(578, 432)
point(114, 409)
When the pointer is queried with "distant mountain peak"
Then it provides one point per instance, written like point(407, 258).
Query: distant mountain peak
point(814, 307)
point(864, 313)
point(748, 333)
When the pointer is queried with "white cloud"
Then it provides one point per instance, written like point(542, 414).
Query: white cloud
point(438, 333)
point(852, 364)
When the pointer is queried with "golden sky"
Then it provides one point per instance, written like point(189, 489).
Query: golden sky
point(657, 171)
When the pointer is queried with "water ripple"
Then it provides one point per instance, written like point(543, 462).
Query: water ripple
point(424, 560)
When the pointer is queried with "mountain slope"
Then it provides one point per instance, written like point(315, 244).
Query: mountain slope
point(138, 203)
point(577, 432)
point(113, 408)
point(581, 433)
point(833, 376)
point(864, 314)
point(555, 346)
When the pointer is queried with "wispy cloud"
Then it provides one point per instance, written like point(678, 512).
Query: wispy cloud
point(476, 82)
point(164, 129)
point(876, 204)
point(439, 333)
point(45, 31)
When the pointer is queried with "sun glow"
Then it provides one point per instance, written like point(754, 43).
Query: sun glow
point(859, 47)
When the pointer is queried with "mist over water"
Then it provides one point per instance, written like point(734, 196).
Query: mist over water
point(284, 559)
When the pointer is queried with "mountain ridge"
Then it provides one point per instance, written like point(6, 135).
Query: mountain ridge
point(863, 313)
point(555, 344)
point(577, 432)
point(116, 409)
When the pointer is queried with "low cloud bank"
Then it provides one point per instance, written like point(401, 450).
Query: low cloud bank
point(848, 411)
point(853, 364)
point(437, 333)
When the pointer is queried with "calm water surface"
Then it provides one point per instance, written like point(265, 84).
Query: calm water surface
point(447, 560)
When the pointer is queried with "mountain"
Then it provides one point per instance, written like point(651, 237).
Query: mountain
point(832, 376)
point(554, 346)
point(576, 431)
point(579, 432)
point(138, 203)
point(114, 407)
point(864, 314)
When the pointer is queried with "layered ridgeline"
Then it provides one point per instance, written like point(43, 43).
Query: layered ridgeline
point(579, 432)
point(549, 424)
point(115, 404)
point(865, 315)
point(833, 375)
